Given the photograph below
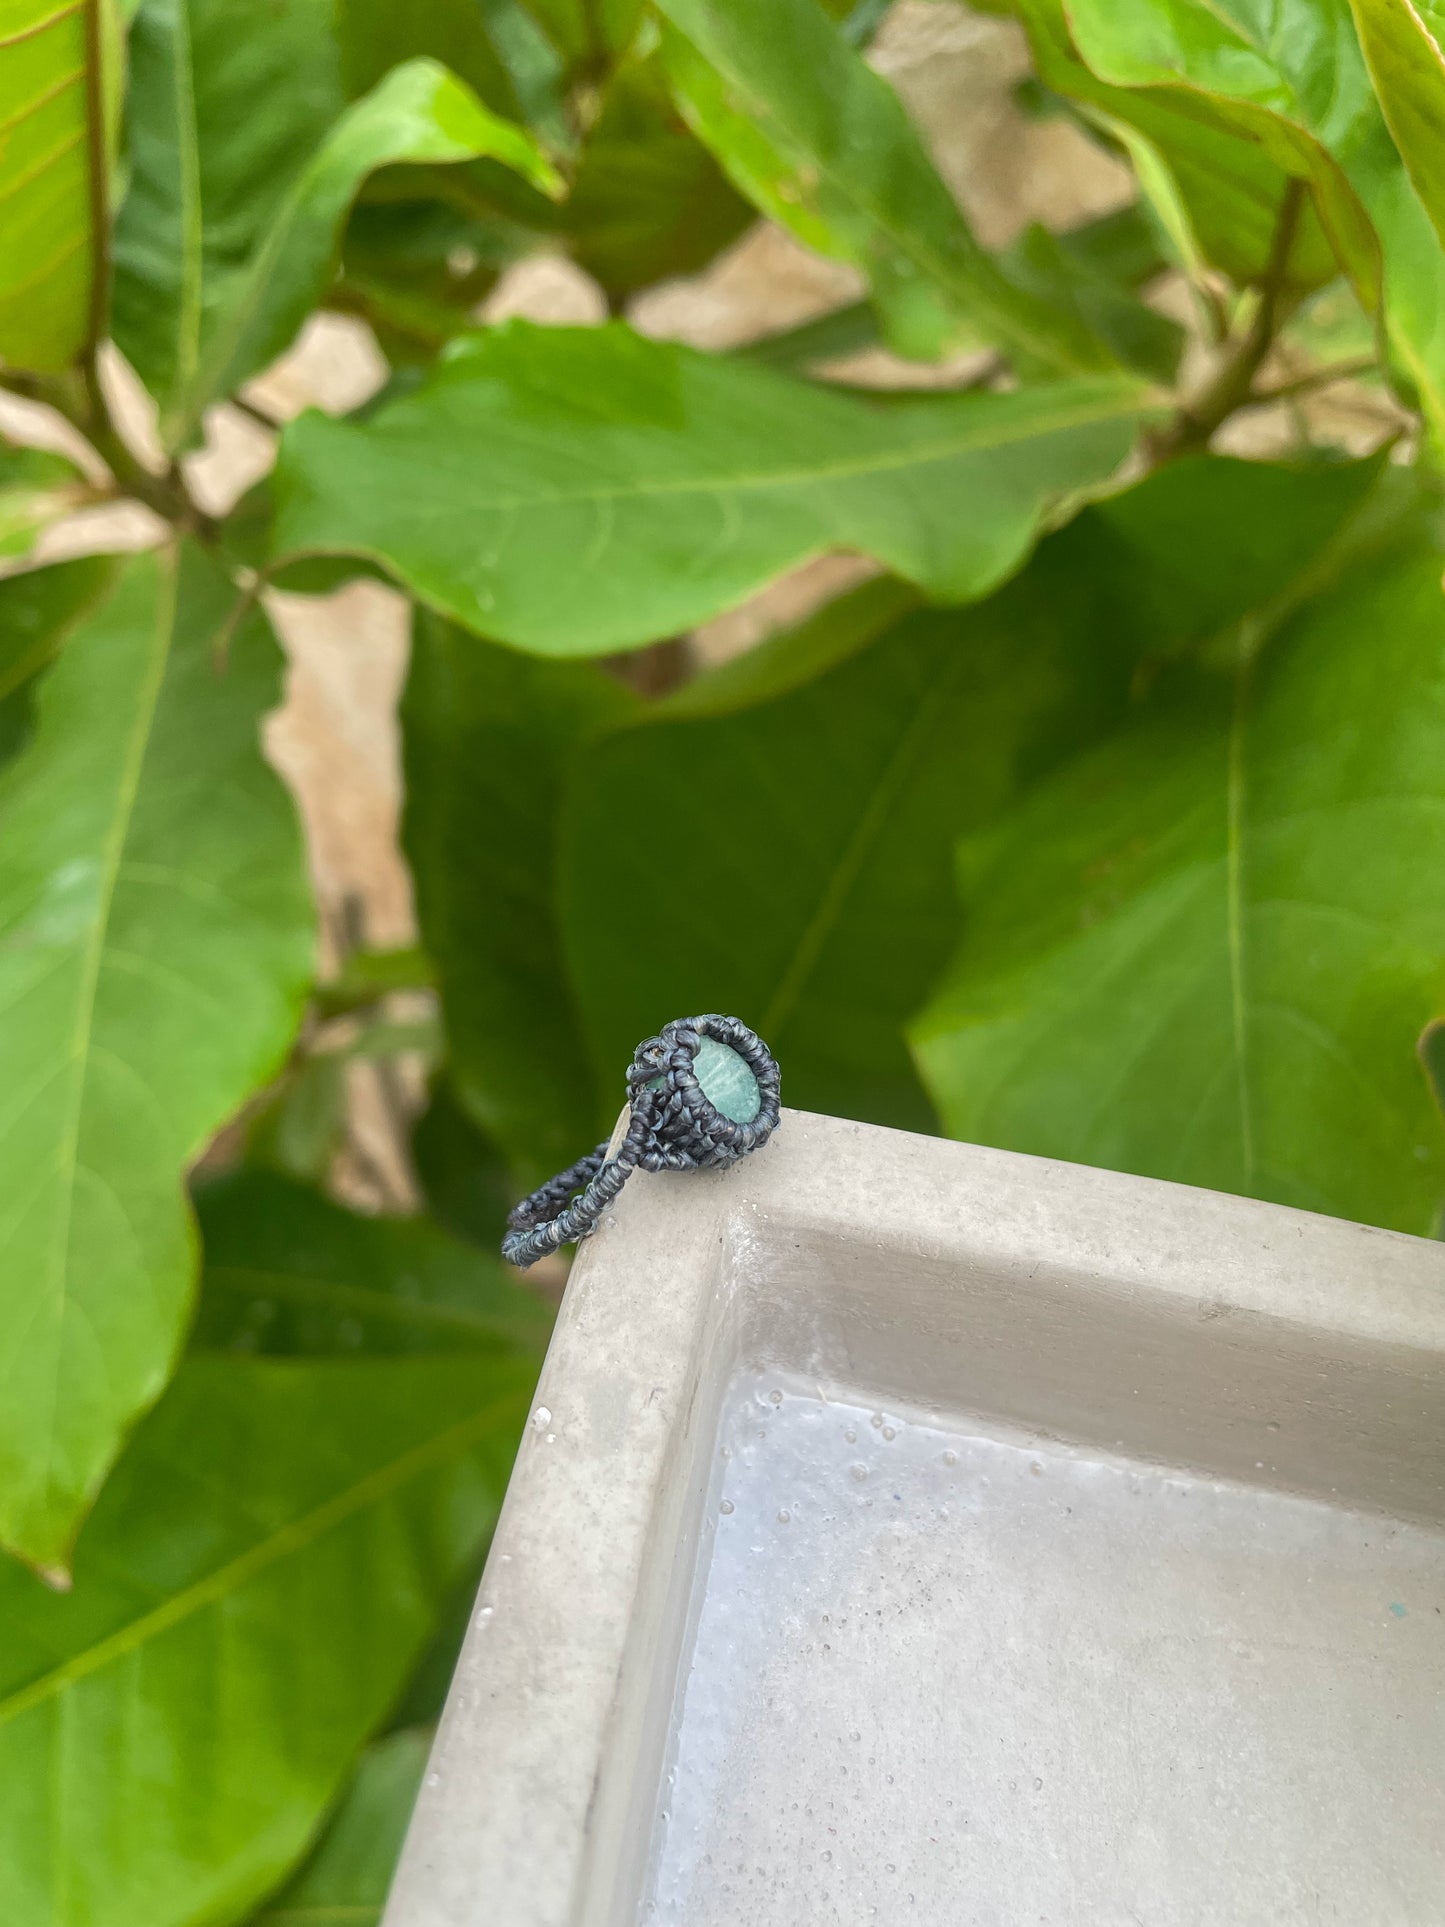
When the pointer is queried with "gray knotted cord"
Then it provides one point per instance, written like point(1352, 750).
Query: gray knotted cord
point(674, 1126)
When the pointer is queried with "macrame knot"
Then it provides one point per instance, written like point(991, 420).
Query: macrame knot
point(702, 1093)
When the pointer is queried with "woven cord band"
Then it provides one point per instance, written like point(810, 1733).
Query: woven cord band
point(674, 1126)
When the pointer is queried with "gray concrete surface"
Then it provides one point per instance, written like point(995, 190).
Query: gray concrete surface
point(1109, 1589)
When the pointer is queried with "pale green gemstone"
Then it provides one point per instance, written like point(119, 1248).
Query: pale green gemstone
point(727, 1082)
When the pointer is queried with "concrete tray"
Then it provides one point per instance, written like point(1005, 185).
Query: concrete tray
point(924, 1534)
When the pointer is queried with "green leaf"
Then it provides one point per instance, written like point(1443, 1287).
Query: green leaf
point(1207, 543)
point(419, 113)
point(155, 944)
point(1235, 52)
point(1303, 95)
point(257, 1581)
point(287, 1271)
point(299, 1126)
point(197, 323)
point(1205, 177)
point(805, 877)
point(1309, 84)
point(1206, 951)
point(376, 35)
point(1402, 49)
point(487, 737)
point(368, 976)
point(592, 34)
point(38, 610)
point(221, 121)
point(1061, 268)
point(648, 200)
point(821, 143)
point(1122, 248)
point(345, 1880)
point(416, 270)
point(36, 488)
point(832, 336)
point(59, 94)
point(462, 1172)
point(574, 491)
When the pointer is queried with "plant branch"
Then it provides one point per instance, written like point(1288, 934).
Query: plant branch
point(165, 494)
point(271, 423)
point(1315, 378)
point(1232, 383)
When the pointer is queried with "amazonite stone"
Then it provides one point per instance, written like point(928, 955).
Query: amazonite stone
point(727, 1083)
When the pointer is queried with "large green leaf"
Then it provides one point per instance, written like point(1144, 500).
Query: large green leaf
point(488, 736)
point(221, 119)
point(578, 490)
point(155, 943)
point(345, 1880)
point(287, 1271)
point(199, 310)
point(802, 871)
point(1402, 47)
point(1207, 951)
point(821, 143)
point(258, 1578)
point(59, 92)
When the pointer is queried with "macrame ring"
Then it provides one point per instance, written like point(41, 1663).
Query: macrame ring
point(673, 1125)
point(690, 1132)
